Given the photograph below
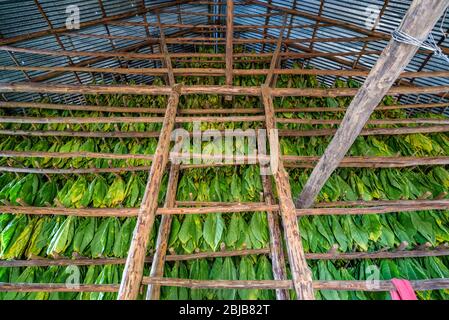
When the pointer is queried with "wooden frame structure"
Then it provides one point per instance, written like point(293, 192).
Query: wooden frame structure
point(283, 213)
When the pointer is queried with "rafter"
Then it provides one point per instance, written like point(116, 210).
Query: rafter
point(86, 24)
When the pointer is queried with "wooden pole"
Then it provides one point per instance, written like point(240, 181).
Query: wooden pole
point(133, 272)
point(418, 22)
point(204, 89)
point(157, 266)
point(381, 254)
point(274, 59)
point(229, 43)
point(301, 275)
point(276, 244)
point(344, 285)
point(167, 59)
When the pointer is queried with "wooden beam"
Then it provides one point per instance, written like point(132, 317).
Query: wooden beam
point(207, 71)
point(418, 22)
point(94, 22)
point(331, 208)
point(275, 58)
point(276, 245)
point(419, 252)
point(158, 262)
point(345, 285)
point(133, 272)
point(301, 275)
point(204, 89)
point(229, 43)
point(164, 49)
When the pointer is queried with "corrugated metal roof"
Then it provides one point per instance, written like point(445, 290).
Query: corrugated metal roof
point(362, 13)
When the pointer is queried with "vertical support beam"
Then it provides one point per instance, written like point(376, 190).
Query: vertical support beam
point(133, 272)
point(276, 247)
point(229, 45)
point(157, 265)
point(275, 58)
point(418, 22)
point(301, 275)
point(171, 77)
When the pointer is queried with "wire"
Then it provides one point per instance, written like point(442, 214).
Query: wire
point(428, 44)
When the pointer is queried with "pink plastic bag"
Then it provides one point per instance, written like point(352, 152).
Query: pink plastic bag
point(404, 290)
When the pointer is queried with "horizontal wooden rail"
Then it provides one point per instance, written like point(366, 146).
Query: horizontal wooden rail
point(349, 285)
point(217, 160)
point(282, 133)
point(57, 287)
point(218, 111)
point(200, 89)
point(369, 208)
point(213, 119)
point(81, 261)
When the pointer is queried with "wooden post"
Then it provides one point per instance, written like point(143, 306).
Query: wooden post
point(229, 45)
point(157, 266)
point(133, 272)
point(418, 22)
point(301, 275)
point(276, 245)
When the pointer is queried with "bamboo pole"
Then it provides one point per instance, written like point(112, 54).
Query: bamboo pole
point(157, 266)
point(301, 275)
point(132, 274)
point(392, 62)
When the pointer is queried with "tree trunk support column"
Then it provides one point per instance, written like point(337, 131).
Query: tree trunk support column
point(418, 23)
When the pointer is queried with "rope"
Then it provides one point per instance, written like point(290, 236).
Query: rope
point(428, 44)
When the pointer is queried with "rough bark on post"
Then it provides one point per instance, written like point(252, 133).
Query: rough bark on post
point(229, 45)
point(133, 272)
point(276, 246)
point(301, 275)
point(157, 266)
point(418, 22)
